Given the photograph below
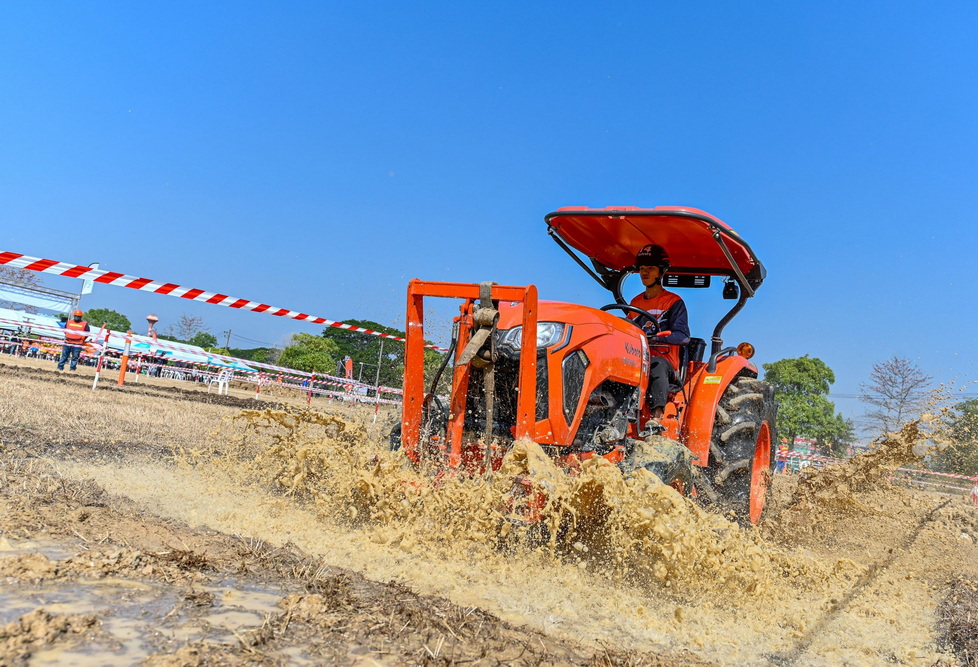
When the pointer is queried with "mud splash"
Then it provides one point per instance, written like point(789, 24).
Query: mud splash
point(851, 489)
point(833, 575)
point(631, 529)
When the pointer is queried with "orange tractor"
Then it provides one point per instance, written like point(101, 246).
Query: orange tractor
point(574, 378)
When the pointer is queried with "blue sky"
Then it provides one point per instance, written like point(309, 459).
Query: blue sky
point(317, 156)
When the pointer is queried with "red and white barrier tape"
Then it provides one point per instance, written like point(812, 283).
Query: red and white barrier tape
point(785, 456)
point(57, 268)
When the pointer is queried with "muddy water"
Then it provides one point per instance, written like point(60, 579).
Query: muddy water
point(135, 617)
point(848, 569)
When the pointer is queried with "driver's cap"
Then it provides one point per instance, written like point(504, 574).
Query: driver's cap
point(652, 255)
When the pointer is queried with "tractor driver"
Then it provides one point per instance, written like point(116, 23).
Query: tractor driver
point(670, 312)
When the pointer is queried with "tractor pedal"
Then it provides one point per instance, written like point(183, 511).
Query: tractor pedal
point(652, 427)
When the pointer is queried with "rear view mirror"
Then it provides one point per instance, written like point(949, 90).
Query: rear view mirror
point(730, 290)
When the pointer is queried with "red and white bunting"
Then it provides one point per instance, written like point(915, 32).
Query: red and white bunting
point(19, 261)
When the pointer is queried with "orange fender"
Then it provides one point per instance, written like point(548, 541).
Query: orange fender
point(705, 390)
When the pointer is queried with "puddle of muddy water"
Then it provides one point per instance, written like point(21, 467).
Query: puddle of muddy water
point(52, 550)
point(136, 618)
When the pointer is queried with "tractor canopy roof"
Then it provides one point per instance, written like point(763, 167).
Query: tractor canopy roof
point(697, 242)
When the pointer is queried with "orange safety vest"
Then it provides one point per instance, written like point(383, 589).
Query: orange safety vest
point(72, 337)
point(657, 306)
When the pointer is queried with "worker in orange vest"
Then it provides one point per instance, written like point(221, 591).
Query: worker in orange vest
point(782, 457)
point(75, 329)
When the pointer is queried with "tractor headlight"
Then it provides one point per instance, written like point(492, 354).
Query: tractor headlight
point(548, 333)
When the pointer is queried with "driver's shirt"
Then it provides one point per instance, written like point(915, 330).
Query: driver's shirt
point(670, 312)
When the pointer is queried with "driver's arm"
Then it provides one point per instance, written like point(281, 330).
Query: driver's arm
point(675, 320)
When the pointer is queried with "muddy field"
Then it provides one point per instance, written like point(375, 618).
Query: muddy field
point(159, 525)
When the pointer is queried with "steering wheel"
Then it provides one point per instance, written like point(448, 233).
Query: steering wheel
point(642, 315)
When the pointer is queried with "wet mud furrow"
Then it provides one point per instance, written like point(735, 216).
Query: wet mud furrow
point(865, 580)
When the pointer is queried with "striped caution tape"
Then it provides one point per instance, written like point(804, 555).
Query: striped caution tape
point(784, 456)
point(808, 457)
point(57, 268)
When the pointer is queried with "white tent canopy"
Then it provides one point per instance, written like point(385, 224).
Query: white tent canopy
point(50, 327)
point(11, 320)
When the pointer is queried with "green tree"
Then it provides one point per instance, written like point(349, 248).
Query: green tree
point(263, 355)
point(312, 354)
point(801, 387)
point(113, 320)
point(365, 350)
point(203, 339)
point(958, 435)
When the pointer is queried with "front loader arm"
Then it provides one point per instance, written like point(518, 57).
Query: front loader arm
point(414, 389)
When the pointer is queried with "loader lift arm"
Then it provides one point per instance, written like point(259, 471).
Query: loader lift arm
point(414, 389)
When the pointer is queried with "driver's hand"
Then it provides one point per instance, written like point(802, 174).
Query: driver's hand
point(663, 334)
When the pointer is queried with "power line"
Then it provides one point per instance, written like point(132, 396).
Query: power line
point(250, 340)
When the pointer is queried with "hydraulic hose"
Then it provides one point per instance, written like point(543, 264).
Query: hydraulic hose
point(441, 369)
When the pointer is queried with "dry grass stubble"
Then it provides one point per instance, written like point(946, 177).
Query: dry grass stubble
point(74, 415)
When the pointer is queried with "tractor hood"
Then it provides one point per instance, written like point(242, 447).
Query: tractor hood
point(697, 242)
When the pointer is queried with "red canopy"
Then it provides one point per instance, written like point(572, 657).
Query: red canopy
point(612, 236)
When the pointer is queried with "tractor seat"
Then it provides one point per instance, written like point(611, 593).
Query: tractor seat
point(691, 351)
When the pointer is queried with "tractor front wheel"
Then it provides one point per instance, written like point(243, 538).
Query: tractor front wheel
point(739, 471)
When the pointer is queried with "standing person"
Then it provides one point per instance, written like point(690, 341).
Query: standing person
point(75, 329)
point(782, 456)
point(673, 324)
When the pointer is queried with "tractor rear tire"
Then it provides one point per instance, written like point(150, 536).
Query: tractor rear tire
point(742, 450)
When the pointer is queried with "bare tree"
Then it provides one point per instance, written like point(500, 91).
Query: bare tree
point(186, 327)
point(20, 278)
point(897, 392)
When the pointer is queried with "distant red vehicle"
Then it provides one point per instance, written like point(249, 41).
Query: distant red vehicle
point(581, 390)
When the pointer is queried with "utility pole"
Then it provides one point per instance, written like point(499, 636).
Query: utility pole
point(227, 341)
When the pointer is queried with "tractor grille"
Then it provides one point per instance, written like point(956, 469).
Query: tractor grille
point(506, 383)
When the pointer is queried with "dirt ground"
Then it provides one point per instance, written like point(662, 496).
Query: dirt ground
point(152, 524)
